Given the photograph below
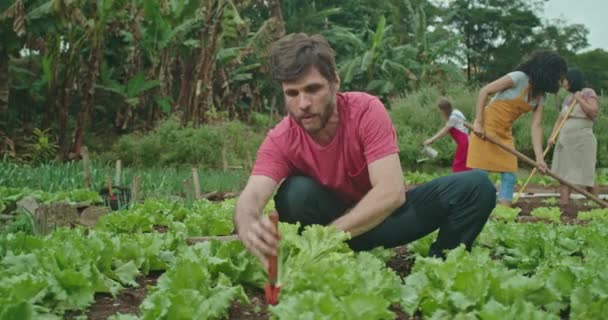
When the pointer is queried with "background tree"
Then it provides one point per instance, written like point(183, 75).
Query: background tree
point(77, 68)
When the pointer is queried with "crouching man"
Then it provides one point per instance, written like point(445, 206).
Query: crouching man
point(336, 158)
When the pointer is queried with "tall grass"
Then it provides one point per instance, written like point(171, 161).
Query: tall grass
point(154, 181)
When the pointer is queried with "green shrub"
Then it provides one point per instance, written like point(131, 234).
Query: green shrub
point(417, 118)
point(171, 144)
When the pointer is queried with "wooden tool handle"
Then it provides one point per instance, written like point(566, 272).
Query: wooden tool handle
point(273, 266)
point(533, 163)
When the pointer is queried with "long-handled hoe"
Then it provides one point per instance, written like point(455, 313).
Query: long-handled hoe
point(533, 163)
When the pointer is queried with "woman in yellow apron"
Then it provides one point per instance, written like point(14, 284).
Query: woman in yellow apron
point(518, 92)
point(575, 153)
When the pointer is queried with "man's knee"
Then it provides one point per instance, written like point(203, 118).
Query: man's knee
point(294, 194)
point(479, 182)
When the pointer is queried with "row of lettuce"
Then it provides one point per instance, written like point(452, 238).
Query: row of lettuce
point(418, 177)
point(515, 271)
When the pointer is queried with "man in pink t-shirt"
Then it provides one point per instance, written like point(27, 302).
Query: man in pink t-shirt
point(336, 159)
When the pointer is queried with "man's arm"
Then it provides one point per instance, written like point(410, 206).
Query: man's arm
point(256, 232)
point(387, 194)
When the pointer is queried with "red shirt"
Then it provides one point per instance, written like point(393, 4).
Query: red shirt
point(365, 133)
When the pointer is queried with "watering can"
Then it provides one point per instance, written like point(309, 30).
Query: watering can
point(429, 153)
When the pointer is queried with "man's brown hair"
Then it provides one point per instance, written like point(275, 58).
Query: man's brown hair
point(294, 54)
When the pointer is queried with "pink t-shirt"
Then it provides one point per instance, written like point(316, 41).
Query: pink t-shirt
point(365, 133)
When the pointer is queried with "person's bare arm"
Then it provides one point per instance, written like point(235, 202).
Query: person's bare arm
point(387, 194)
point(537, 137)
point(438, 135)
point(589, 105)
point(497, 85)
point(256, 232)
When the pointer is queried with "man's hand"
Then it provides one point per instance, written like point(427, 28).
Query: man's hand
point(551, 142)
point(259, 237)
point(257, 233)
point(427, 142)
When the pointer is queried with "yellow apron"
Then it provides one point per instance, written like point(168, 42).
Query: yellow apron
point(499, 116)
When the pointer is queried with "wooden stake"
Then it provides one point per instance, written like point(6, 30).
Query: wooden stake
point(197, 185)
point(187, 188)
point(118, 171)
point(135, 189)
point(109, 184)
point(86, 166)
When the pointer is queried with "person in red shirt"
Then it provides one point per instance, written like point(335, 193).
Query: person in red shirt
point(336, 159)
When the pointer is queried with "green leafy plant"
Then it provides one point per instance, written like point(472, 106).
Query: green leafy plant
point(345, 285)
point(550, 201)
point(599, 214)
point(42, 148)
point(505, 213)
point(550, 213)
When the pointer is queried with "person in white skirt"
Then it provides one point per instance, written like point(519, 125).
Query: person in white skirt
point(575, 151)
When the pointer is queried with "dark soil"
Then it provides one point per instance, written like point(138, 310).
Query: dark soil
point(160, 228)
point(402, 262)
point(127, 301)
point(569, 213)
point(531, 189)
point(255, 310)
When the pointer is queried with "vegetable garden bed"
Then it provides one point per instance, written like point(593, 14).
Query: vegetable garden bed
point(549, 270)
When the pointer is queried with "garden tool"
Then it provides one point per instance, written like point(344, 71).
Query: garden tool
point(429, 152)
point(553, 137)
point(533, 163)
point(271, 289)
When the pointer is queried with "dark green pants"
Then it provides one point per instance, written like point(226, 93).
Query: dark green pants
point(458, 205)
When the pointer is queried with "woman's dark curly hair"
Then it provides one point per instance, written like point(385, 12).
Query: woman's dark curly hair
point(576, 81)
point(545, 69)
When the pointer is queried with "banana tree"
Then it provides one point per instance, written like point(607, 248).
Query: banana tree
point(387, 63)
point(100, 13)
point(12, 30)
point(130, 94)
point(243, 84)
point(377, 64)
